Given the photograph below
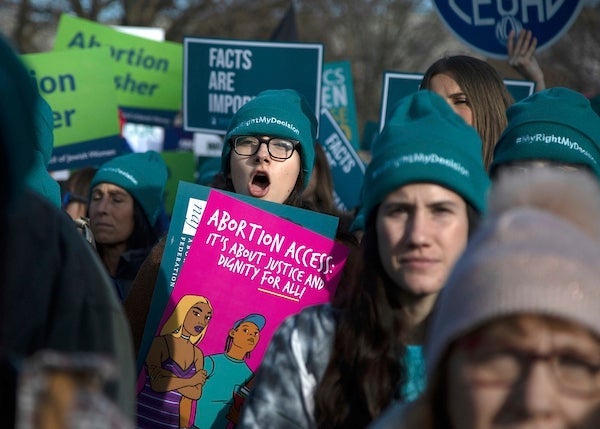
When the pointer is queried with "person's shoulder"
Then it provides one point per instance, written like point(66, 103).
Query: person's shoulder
point(34, 224)
point(63, 256)
point(37, 215)
point(311, 330)
point(311, 316)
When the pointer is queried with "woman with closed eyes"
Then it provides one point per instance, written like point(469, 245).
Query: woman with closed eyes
point(476, 92)
point(126, 198)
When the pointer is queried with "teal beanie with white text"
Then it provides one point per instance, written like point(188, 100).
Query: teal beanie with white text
point(556, 124)
point(277, 113)
point(425, 141)
point(142, 174)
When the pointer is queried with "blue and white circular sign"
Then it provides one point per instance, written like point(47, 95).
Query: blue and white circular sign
point(484, 25)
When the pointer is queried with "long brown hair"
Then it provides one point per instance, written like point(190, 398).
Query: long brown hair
point(486, 93)
point(365, 370)
point(321, 198)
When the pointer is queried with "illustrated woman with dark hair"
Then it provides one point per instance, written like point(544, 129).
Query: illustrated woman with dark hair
point(228, 372)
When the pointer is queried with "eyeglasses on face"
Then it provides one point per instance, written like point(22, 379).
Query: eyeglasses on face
point(277, 147)
point(507, 366)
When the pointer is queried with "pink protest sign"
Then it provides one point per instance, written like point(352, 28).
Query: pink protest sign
point(245, 272)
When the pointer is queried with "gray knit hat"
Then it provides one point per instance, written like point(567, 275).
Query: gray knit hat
point(529, 256)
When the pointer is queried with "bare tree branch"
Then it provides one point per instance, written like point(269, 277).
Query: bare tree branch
point(373, 35)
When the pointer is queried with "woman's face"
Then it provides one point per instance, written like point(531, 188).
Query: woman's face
point(197, 318)
point(422, 229)
point(264, 177)
point(525, 372)
point(111, 214)
point(444, 85)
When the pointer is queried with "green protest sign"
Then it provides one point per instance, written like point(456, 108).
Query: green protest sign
point(397, 85)
point(222, 75)
point(146, 74)
point(78, 87)
point(338, 98)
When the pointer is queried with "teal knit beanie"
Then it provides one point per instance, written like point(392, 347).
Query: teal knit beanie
point(18, 98)
point(38, 179)
point(45, 129)
point(595, 103)
point(42, 183)
point(279, 113)
point(207, 169)
point(425, 141)
point(143, 175)
point(556, 124)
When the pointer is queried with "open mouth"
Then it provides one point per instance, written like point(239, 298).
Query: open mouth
point(259, 185)
point(261, 180)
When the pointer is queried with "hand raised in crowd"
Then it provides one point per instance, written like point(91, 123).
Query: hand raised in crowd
point(521, 56)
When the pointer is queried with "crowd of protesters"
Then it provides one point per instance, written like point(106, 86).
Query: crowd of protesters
point(468, 300)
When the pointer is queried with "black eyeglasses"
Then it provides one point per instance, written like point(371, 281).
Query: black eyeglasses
point(506, 366)
point(278, 148)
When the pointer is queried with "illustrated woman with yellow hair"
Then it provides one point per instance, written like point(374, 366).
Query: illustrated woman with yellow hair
point(175, 371)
